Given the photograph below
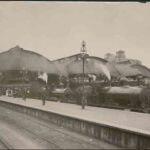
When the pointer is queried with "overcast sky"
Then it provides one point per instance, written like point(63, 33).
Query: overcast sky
point(56, 29)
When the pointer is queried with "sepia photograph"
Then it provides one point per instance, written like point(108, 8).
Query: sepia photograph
point(74, 75)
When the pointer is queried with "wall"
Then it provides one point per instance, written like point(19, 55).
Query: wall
point(116, 136)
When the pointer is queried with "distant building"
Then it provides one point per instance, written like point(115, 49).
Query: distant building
point(110, 57)
point(19, 66)
point(120, 56)
point(72, 66)
point(121, 66)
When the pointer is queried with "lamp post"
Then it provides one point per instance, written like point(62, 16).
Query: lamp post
point(83, 56)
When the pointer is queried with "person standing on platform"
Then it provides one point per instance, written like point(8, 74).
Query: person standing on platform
point(44, 95)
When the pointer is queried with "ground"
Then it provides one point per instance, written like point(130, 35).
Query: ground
point(18, 130)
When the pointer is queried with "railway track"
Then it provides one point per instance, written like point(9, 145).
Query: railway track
point(46, 134)
point(51, 144)
point(44, 123)
point(71, 138)
point(4, 144)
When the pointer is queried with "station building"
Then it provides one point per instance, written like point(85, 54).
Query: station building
point(121, 69)
point(124, 68)
point(21, 68)
point(95, 69)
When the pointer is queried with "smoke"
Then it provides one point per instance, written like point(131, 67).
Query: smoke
point(105, 71)
point(43, 76)
point(102, 68)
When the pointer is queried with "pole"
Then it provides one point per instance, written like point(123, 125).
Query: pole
point(83, 53)
point(83, 96)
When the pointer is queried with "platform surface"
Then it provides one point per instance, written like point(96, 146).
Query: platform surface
point(132, 121)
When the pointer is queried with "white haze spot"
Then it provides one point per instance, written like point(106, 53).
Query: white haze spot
point(106, 71)
point(43, 76)
point(103, 68)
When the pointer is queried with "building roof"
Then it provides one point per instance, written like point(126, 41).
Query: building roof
point(66, 64)
point(143, 69)
point(93, 65)
point(78, 54)
point(133, 70)
point(19, 59)
point(120, 51)
point(98, 58)
point(126, 69)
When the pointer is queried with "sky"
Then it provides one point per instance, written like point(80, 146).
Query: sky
point(56, 29)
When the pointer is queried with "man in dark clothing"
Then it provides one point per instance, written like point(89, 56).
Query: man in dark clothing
point(44, 95)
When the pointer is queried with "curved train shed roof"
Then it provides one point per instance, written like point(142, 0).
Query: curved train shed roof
point(126, 70)
point(93, 65)
point(19, 59)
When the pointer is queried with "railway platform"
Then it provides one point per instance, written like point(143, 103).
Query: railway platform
point(132, 122)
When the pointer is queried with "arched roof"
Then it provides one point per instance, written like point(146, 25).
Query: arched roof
point(92, 65)
point(126, 69)
point(143, 69)
point(19, 59)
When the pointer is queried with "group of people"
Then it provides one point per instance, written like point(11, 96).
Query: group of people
point(43, 94)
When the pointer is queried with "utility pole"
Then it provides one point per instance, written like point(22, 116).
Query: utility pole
point(83, 52)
